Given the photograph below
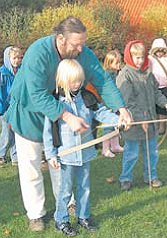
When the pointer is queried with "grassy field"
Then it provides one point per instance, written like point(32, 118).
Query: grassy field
point(140, 213)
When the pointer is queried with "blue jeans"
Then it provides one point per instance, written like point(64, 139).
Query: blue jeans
point(7, 138)
point(130, 157)
point(68, 172)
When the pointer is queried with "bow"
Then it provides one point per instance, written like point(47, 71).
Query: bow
point(89, 143)
point(139, 123)
point(134, 123)
point(105, 137)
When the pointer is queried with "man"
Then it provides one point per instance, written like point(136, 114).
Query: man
point(32, 100)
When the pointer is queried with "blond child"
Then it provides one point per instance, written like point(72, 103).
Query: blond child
point(112, 64)
point(69, 81)
point(140, 91)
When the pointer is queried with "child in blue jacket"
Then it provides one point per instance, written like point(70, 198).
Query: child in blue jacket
point(69, 80)
point(12, 60)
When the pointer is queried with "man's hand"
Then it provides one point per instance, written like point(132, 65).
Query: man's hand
point(125, 118)
point(54, 163)
point(76, 124)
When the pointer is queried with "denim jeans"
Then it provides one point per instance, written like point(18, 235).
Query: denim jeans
point(55, 181)
point(81, 173)
point(7, 138)
point(130, 157)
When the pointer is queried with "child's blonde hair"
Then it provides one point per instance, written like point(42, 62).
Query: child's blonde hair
point(16, 51)
point(68, 71)
point(137, 48)
point(110, 57)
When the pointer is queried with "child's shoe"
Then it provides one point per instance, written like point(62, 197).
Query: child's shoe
point(108, 153)
point(86, 224)
point(66, 229)
point(126, 185)
point(115, 146)
point(156, 183)
point(118, 149)
point(106, 149)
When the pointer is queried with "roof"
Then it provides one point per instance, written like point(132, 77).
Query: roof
point(134, 8)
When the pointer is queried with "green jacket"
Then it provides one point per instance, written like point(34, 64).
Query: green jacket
point(31, 94)
point(141, 94)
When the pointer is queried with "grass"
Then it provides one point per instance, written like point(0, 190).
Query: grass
point(140, 213)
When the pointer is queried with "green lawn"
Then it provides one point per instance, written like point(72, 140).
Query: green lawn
point(140, 213)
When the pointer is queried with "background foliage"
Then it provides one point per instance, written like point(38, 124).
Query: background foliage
point(22, 22)
point(102, 22)
point(31, 4)
point(153, 23)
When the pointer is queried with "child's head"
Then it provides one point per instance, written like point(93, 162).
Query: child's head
point(15, 56)
point(136, 56)
point(12, 58)
point(159, 48)
point(70, 77)
point(112, 60)
point(137, 52)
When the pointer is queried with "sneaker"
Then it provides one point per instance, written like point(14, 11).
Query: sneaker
point(66, 229)
point(36, 224)
point(87, 224)
point(126, 185)
point(156, 183)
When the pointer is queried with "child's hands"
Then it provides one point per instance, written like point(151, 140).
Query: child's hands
point(144, 127)
point(54, 163)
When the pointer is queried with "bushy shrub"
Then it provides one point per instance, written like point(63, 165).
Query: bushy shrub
point(37, 5)
point(58, 3)
point(154, 21)
point(164, 32)
point(43, 23)
point(109, 15)
point(54, 3)
point(14, 26)
point(103, 21)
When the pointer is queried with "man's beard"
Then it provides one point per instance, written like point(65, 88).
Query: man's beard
point(71, 55)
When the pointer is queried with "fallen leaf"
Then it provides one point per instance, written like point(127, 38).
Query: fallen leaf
point(110, 179)
point(15, 214)
point(6, 232)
